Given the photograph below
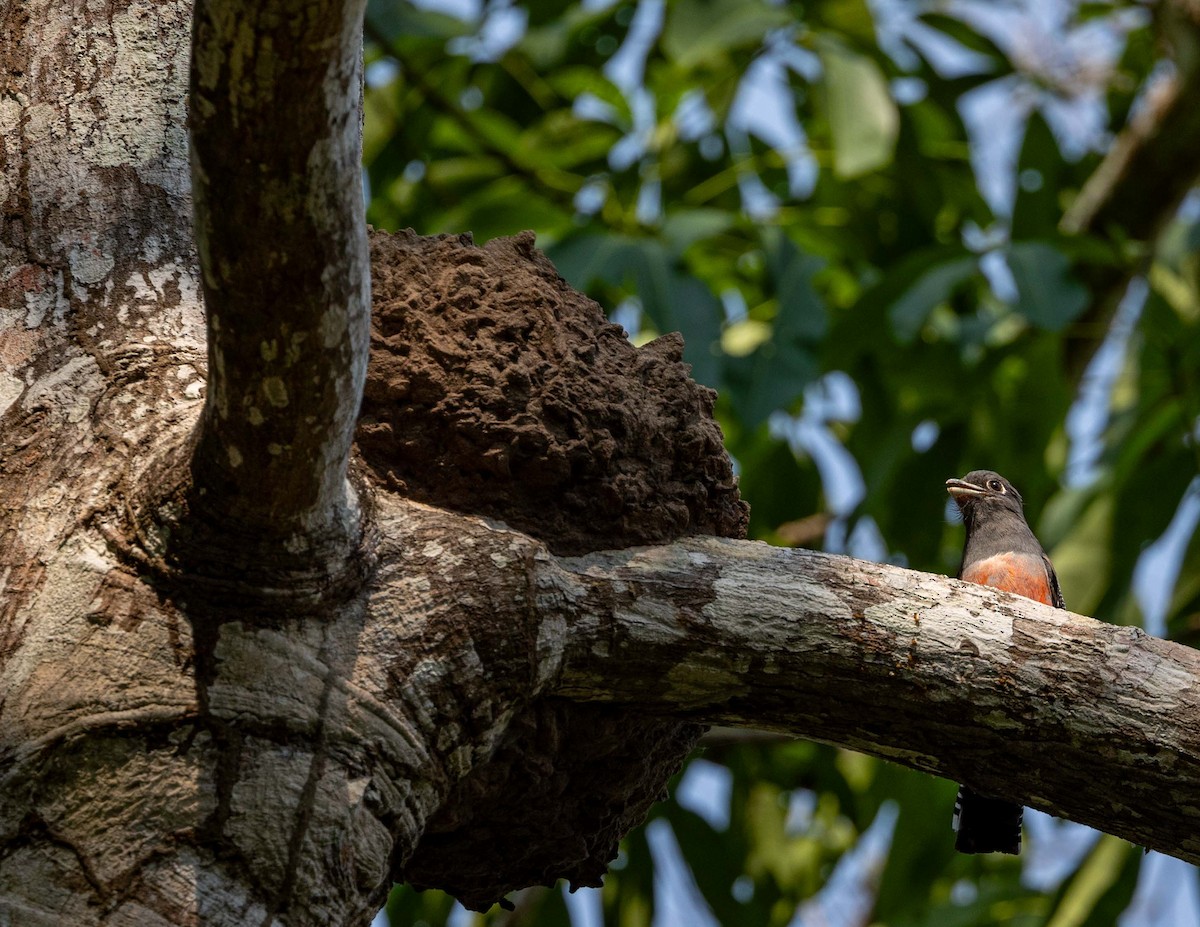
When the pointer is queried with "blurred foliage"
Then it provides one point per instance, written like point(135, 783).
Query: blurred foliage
point(797, 189)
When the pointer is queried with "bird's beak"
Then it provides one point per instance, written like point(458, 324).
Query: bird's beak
point(958, 488)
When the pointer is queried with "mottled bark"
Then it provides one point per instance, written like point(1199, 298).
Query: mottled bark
point(1088, 721)
point(275, 155)
point(97, 271)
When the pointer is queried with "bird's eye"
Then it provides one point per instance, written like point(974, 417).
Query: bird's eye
point(995, 486)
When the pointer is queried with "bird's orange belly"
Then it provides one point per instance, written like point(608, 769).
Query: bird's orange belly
point(1016, 573)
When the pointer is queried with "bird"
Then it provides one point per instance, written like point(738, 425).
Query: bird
point(1002, 552)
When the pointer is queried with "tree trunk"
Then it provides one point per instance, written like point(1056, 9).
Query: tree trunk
point(249, 675)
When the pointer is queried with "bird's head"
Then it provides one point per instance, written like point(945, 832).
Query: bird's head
point(982, 494)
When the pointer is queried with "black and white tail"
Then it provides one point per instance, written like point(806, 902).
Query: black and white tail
point(986, 825)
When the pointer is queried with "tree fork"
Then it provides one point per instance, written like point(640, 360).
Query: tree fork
point(275, 163)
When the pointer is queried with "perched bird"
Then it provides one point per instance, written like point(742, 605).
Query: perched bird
point(1001, 552)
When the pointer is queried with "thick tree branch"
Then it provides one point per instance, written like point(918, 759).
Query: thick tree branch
point(97, 271)
point(1085, 720)
point(279, 226)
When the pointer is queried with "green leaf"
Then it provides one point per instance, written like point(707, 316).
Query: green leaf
point(1083, 556)
point(1146, 503)
point(394, 20)
point(774, 375)
point(698, 31)
point(405, 906)
point(714, 869)
point(908, 313)
point(561, 140)
point(628, 893)
point(781, 488)
point(499, 208)
point(1183, 614)
point(922, 843)
point(745, 337)
point(551, 909)
point(672, 299)
point(1048, 295)
point(1101, 887)
point(1041, 174)
point(967, 37)
point(575, 81)
point(850, 18)
point(802, 315)
point(682, 228)
point(863, 118)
